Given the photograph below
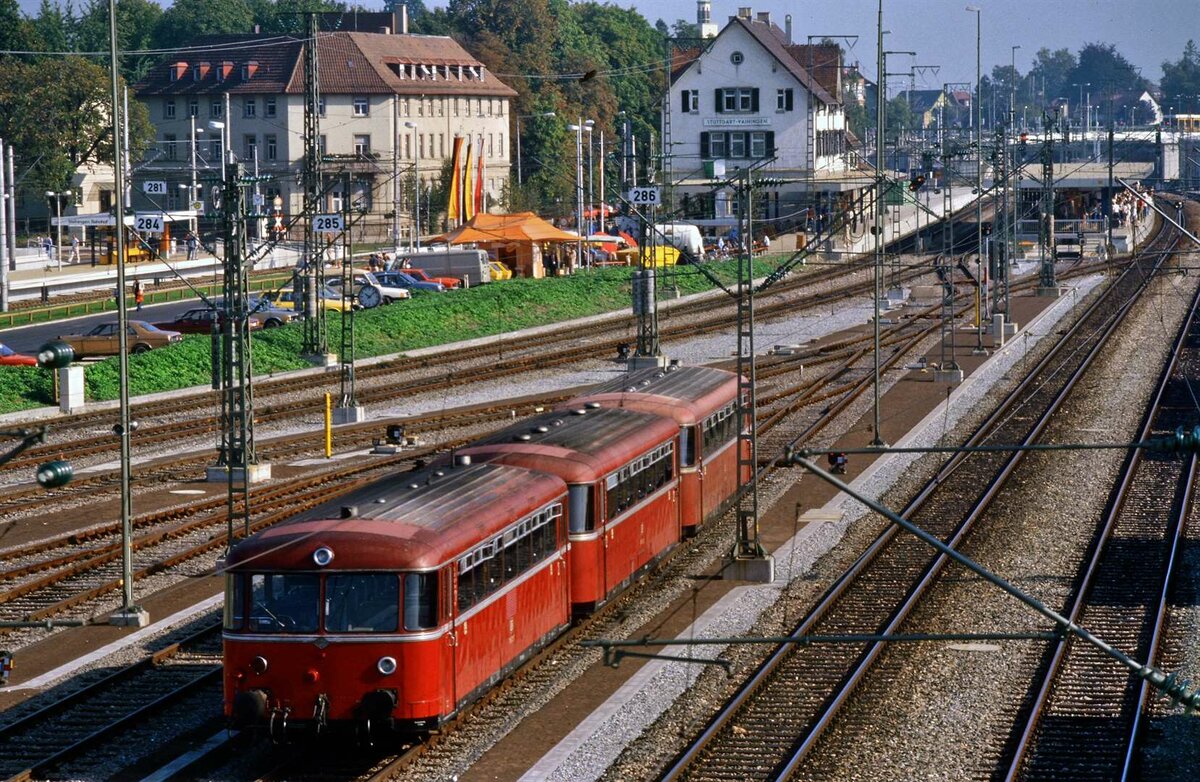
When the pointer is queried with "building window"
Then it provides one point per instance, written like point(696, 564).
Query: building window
point(362, 107)
point(214, 150)
point(272, 145)
point(404, 108)
point(250, 108)
point(441, 145)
point(362, 146)
point(194, 107)
point(690, 101)
point(758, 144)
point(441, 104)
point(268, 107)
point(421, 144)
point(169, 143)
point(737, 100)
point(716, 146)
point(169, 108)
point(500, 144)
point(251, 146)
point(360, 195)
point(737, 145)
point(479, 107)
point(216, 109)
point(457, 106)
point(783, 99)
point(491, 149)
point(321, 105)
point(323, 145)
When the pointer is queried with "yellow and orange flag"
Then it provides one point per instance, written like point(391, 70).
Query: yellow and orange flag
point(454, 212)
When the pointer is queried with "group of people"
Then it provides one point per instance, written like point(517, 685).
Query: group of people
point(48, 247)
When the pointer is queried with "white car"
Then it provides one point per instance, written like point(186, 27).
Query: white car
point(364, 280)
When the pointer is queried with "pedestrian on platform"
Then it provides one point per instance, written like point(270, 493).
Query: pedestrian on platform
point(74, 257)
point(138, 295)
point(191, 246)
point(48, 247)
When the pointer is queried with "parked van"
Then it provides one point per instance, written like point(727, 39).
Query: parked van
point(470, 266)
point(683, 236)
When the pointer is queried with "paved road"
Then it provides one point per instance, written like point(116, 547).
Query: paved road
point(27, 339)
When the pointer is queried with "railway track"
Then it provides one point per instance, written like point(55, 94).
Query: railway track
point(76, 724)
point(1084, 720)
point(772, 723)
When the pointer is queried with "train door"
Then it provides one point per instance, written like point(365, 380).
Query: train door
point(450, 694)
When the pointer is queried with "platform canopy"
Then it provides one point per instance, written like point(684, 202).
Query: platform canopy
point(518, 227)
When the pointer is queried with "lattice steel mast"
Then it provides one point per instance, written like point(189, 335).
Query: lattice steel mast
point(316, 338)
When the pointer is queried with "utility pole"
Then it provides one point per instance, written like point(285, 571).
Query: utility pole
point(880, 101)
point(237, 463)
point(316, 340)
point(348, 411)
point(977, 109)
point(3, 237)
point(1047, 281)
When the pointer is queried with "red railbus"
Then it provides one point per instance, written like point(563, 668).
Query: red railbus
point(621, 473)
point(703, 403)
point(398, 603)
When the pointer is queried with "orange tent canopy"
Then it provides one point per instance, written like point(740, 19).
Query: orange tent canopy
point(518, 227)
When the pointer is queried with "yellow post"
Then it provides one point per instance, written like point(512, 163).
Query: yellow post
point(328, 427)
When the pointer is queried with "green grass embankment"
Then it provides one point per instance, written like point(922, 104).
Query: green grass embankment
point(425, 320)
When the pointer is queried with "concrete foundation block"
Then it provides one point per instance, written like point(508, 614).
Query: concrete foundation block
point(760, 570)
point(1010, 329)
point(349, 415)
point(1052, 291)
point(220, 474)
point(952, 375)
point(646, 362)
point(134, 616)
point(327, 360)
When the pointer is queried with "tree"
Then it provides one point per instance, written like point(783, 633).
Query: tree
point(1051, 73)
point(57, 125)
point(16, 32)
point(1102, 66)
point(1181, 79)
point(137, 24)
point(55, 27)
point(188, 19)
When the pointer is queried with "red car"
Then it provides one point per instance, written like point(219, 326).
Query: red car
point(199, 321)
point(11, 358)
point(449, 282)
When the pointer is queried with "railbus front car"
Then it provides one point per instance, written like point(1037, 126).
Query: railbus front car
point(396, 605)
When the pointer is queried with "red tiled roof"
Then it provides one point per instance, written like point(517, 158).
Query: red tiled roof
point(348, 62)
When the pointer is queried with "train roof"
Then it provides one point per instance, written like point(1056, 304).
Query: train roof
point(580, 445)
point(685, 394)
point(412, 520)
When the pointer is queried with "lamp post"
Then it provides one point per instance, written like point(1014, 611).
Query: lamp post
point(980, 299)
point(520, 174)
point(58, 197)
point(193, 196)
point(587, 128)
point(1012, 100)
point(412, 127)
point(1081, 86)
point(578, 129)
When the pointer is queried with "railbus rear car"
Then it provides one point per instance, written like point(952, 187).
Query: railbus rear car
point(703, 403)
point(397, 604)
point(621, 473)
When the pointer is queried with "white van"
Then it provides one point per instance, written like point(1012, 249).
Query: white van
point(683, 236)
point(470, 266)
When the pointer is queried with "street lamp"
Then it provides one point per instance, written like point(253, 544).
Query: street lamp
point(520, 175)
point(193, 193)
point(1081, 86)
point(412, 126)
point(591, 203)
point(578, 130)
point(58, 212)
point(1012, 100)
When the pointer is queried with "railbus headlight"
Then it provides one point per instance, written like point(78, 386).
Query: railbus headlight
point(386, 665)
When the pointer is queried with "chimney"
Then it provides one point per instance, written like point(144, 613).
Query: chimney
point(764, 17)
point(400, 19)
point(745, 12)
point(787, 29)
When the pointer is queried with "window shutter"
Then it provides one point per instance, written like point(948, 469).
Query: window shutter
point(787, 98)
point(770, 144)
point(754, 100)
point(683, 101)
point(720, 99)
point(703, 145)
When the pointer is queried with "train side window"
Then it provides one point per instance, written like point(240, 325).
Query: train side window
point(420, 601)
point(467, 588)
point(687, 446)
point(583, 517)
point(284, 602)
point(362, 603)
point(235, 601)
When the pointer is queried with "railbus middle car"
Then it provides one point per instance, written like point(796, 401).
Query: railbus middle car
point(621, 472)
point(703, 403)
point(398, 603)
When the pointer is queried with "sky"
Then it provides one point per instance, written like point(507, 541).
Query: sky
point(942, 32)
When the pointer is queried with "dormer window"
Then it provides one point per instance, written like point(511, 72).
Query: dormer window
point(201, 71)
point(177, 69)
point(248, 70)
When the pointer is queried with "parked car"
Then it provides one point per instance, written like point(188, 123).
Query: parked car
point(271, 315)
point(498, 271)
point(402, 279)
point(450, 282)
point(199, 320)
point(387, 293)
point(11, 358)
point(286, 298)
point(104, 339)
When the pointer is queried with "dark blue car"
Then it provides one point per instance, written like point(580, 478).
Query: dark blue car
point(399, 279)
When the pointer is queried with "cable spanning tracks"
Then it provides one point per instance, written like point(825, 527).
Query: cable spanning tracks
point(767, 729)
point(1086, 713)
point(77, 723)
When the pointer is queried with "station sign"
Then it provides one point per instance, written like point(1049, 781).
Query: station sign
point(154, 188)
point(645, 196)
point(328, 224)
point(148, 222)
